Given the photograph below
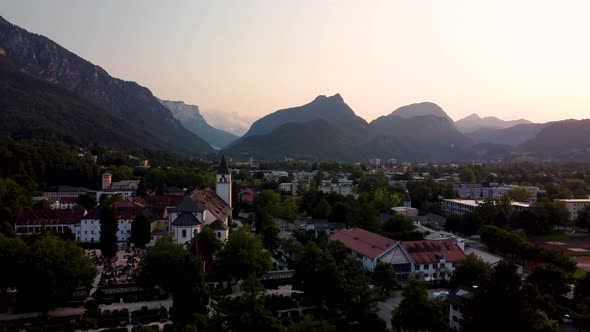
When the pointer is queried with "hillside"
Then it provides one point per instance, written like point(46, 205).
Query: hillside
point(44, 59)
point(31, 106)
point(474, 122)
point(513, 136)
point(564, 140)
point(314, 140)
point(191, 119)
point(331, 109)
point(420, 109)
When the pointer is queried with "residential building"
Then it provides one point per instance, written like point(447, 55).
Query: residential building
point(319, 225)
point(57, 192)
point(90, 224)
point(458, 300)
point(405, 211)
point(462, 206)
point(431, 260)
point(30, 222)
point(574, 206)
point(289, 187)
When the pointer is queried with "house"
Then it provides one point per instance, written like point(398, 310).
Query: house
point(431, 260)
point(90, 224)
point(64, 203)
point(289, 187)
point(462, 206)
point(319, 225)
point(365, 245)
point(405, 211)
point(57, 192)
point(30, 222)
point(458, 300)
point(204, 208)
point(574, 206)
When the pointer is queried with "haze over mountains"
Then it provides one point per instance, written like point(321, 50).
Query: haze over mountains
point(47, 90)
point(191, 119)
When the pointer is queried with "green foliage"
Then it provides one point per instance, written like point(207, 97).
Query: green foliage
point(172, 267)
point(550, 279)
point(310, 324)
point(242, 256)
point(519, 194)
point(209, 239)
point(583, 218)
point(86, 201)
point(159, 179)
point(416, 312)
point(471, 271)
point(384, 277)
point(46, 272)
point(109, 226)
point(467, 224)
point(582, 289)
point(140, 231)
point(401, 228)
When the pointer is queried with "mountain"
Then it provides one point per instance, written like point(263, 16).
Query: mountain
point(513, 136)
point(130, 103)
point(313, 140)
point(428, 137)
point(474, 122)
point(420, 109)
point(191, 119)
point(563, 140)
point(332, 109)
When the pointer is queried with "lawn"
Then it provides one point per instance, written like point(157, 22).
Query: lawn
point(557, 236)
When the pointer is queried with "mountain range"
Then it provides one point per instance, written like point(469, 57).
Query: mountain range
point(134, 110)
point(48, 91)
point(474, 122)
point(191, 119)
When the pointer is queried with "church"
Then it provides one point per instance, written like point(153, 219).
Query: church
point(204, 208)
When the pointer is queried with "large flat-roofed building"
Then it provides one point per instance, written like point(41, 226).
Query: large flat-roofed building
point(462, 206)
point(574, 206)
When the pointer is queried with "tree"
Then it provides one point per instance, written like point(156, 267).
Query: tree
point(243, 256)
point(318, 276)
point(322, 210)
point(109, 226)
point(582, 290)
point(583, 218)
point(209, 239)
point(416, 312)
point(86, 201)
point(14, 253)
point(467, 175)
point(172, 267)
point(542, 323)
point(384, 277)
point(471, 271)
point(310, 324)
point(52, 272)
point(338, 251)
point(519, 194)
point(501, 305)
point(550, 279)
point(140, 230)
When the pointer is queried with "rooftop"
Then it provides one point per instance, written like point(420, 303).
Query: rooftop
point(426, 251)
point(50, 217)
point(363, 242)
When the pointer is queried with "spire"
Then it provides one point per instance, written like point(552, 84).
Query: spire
point(223, 167)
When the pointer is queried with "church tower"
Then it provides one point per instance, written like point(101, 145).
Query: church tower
point(223, 181)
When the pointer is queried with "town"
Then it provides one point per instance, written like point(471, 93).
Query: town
point(298, 245)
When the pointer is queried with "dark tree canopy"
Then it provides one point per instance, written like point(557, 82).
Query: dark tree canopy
point(243, 256)
point(109, 226)
point(140, 230)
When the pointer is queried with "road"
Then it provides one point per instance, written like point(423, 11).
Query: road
point(386, 307)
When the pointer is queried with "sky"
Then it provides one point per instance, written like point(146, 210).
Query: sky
point(239, 60)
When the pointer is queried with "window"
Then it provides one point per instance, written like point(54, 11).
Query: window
point(85, 232)
point(455, 319)
point(219, 235)
point(184, 233)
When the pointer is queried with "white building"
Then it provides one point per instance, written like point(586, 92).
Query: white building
point(430, 260)
point(31, 222)
point(289, 187)
point(90, 225)
point(458, 300)
point(574, 206)
point(462, 206)
point(204, 208)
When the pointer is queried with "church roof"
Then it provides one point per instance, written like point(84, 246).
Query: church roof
point(186, 219)
point(217, 225)
point(188, 204)
point(208, 200)
point(223, 166)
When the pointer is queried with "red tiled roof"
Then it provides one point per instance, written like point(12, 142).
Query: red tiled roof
point(424, 252)
point(123, 203)
point(368, 244)
point(50, 217)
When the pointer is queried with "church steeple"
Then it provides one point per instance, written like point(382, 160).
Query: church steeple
point(223, 181)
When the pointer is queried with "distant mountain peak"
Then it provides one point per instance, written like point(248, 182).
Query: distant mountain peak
point(474, 122)
point(336, 98)
point(420, 109)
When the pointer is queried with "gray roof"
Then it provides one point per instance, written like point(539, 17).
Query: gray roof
point(217, 225)
point(188, 205)
point(223, 167)
point(186, 219)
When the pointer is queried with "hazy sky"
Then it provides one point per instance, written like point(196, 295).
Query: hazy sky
point(511, 58)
